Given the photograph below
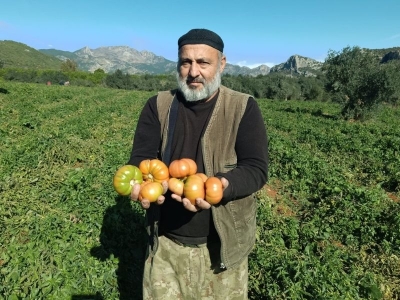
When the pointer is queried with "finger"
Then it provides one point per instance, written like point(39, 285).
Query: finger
point(202, 204)
point(224, 182)
point(189, 206)
point(160, 200)
point(145, 203)
point(165, 186)
point(176, 197)
point(135, 192)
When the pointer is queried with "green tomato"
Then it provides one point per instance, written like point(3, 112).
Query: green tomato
point(125, 178)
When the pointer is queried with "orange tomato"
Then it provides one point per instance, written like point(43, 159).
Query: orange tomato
point(150, 191)
point(193, 188)
point(154, 170)
point(214, 190)
point(175, 185)
point(125, 177)
point(182, 168)
point(203, 176)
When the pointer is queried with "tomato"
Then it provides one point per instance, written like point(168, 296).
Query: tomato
point(182, 168)
point(203, 176)
point(214, 190)
point(154, 170)
point(175, 185)
point(150, 190)
point(125, 177)
point(193, 188)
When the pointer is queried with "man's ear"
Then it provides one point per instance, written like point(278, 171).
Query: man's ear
point(223, 63)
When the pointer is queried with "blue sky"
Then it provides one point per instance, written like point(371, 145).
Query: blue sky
point(254, 32)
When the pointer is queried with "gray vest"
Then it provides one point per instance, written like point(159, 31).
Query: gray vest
point(235, 221)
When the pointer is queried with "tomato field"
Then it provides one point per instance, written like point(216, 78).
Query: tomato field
point(328, 219)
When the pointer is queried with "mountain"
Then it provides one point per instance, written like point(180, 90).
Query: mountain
point(299, 65)
point(132, 61)
point(110, 59)
point(18, 55)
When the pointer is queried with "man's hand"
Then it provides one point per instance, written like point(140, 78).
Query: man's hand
point(199, 202)
point(146, 203)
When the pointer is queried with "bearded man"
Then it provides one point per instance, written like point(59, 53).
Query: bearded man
point(200, 251)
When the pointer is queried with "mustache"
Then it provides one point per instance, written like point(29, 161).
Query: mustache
point(194, 80)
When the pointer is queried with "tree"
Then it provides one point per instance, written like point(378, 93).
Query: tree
point(358, 81)
point(69, 66)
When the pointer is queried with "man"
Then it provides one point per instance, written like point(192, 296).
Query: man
point(200, 251)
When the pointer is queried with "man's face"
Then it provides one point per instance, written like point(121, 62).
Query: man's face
point(199, 71)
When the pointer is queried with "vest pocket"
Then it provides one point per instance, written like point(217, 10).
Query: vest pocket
point(244, 214)
point(229, 166)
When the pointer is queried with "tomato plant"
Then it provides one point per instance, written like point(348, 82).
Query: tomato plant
point(193, 188)
point(154, 170)
point(182, 168)
point(125, 177)
point(150, 190)
point(214, 190)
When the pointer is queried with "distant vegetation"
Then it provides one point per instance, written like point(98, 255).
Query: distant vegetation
point(359, 79)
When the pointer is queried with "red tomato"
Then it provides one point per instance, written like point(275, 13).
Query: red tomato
point(150, 191)
point(154, 170)
point(175, 185)
point(214, 190)
point(193, 188)
point(125, 177)
point(182, 168)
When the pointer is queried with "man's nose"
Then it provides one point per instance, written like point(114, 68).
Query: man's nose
point(194, 70)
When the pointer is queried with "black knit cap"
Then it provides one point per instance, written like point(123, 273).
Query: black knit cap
point(201, 36)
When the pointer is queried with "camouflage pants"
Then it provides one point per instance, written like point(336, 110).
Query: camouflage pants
point(182, 272)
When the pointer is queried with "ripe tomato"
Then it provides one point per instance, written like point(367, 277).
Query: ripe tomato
point(150, 190)
point(125, 177)
point(193, 188)
point(154, 170)
point(175, 185)
point(203, 176)
point(182, 168)
point(214, 190)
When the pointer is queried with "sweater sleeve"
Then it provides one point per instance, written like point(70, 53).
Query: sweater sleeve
point(147, 138)
point(251, 149)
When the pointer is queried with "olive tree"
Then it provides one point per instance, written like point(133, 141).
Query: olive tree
point(357, 79)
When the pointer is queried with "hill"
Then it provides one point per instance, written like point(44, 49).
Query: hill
point(18, 55)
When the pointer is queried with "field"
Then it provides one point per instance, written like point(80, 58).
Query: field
point(328, 219)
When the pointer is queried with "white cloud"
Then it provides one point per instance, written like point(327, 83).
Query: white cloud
point(244, 63)
point(394, 37)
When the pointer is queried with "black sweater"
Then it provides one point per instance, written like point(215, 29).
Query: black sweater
point(249, 176)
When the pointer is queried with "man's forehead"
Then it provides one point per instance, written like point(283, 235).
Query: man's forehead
point(198, 50)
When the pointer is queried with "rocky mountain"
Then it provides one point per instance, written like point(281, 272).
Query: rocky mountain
point(129, 60)
point(132, 61)
point(299, 65)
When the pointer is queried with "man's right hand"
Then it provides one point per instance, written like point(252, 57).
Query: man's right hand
point(144, 202)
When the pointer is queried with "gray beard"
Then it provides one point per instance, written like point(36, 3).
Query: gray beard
point(206, 92)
